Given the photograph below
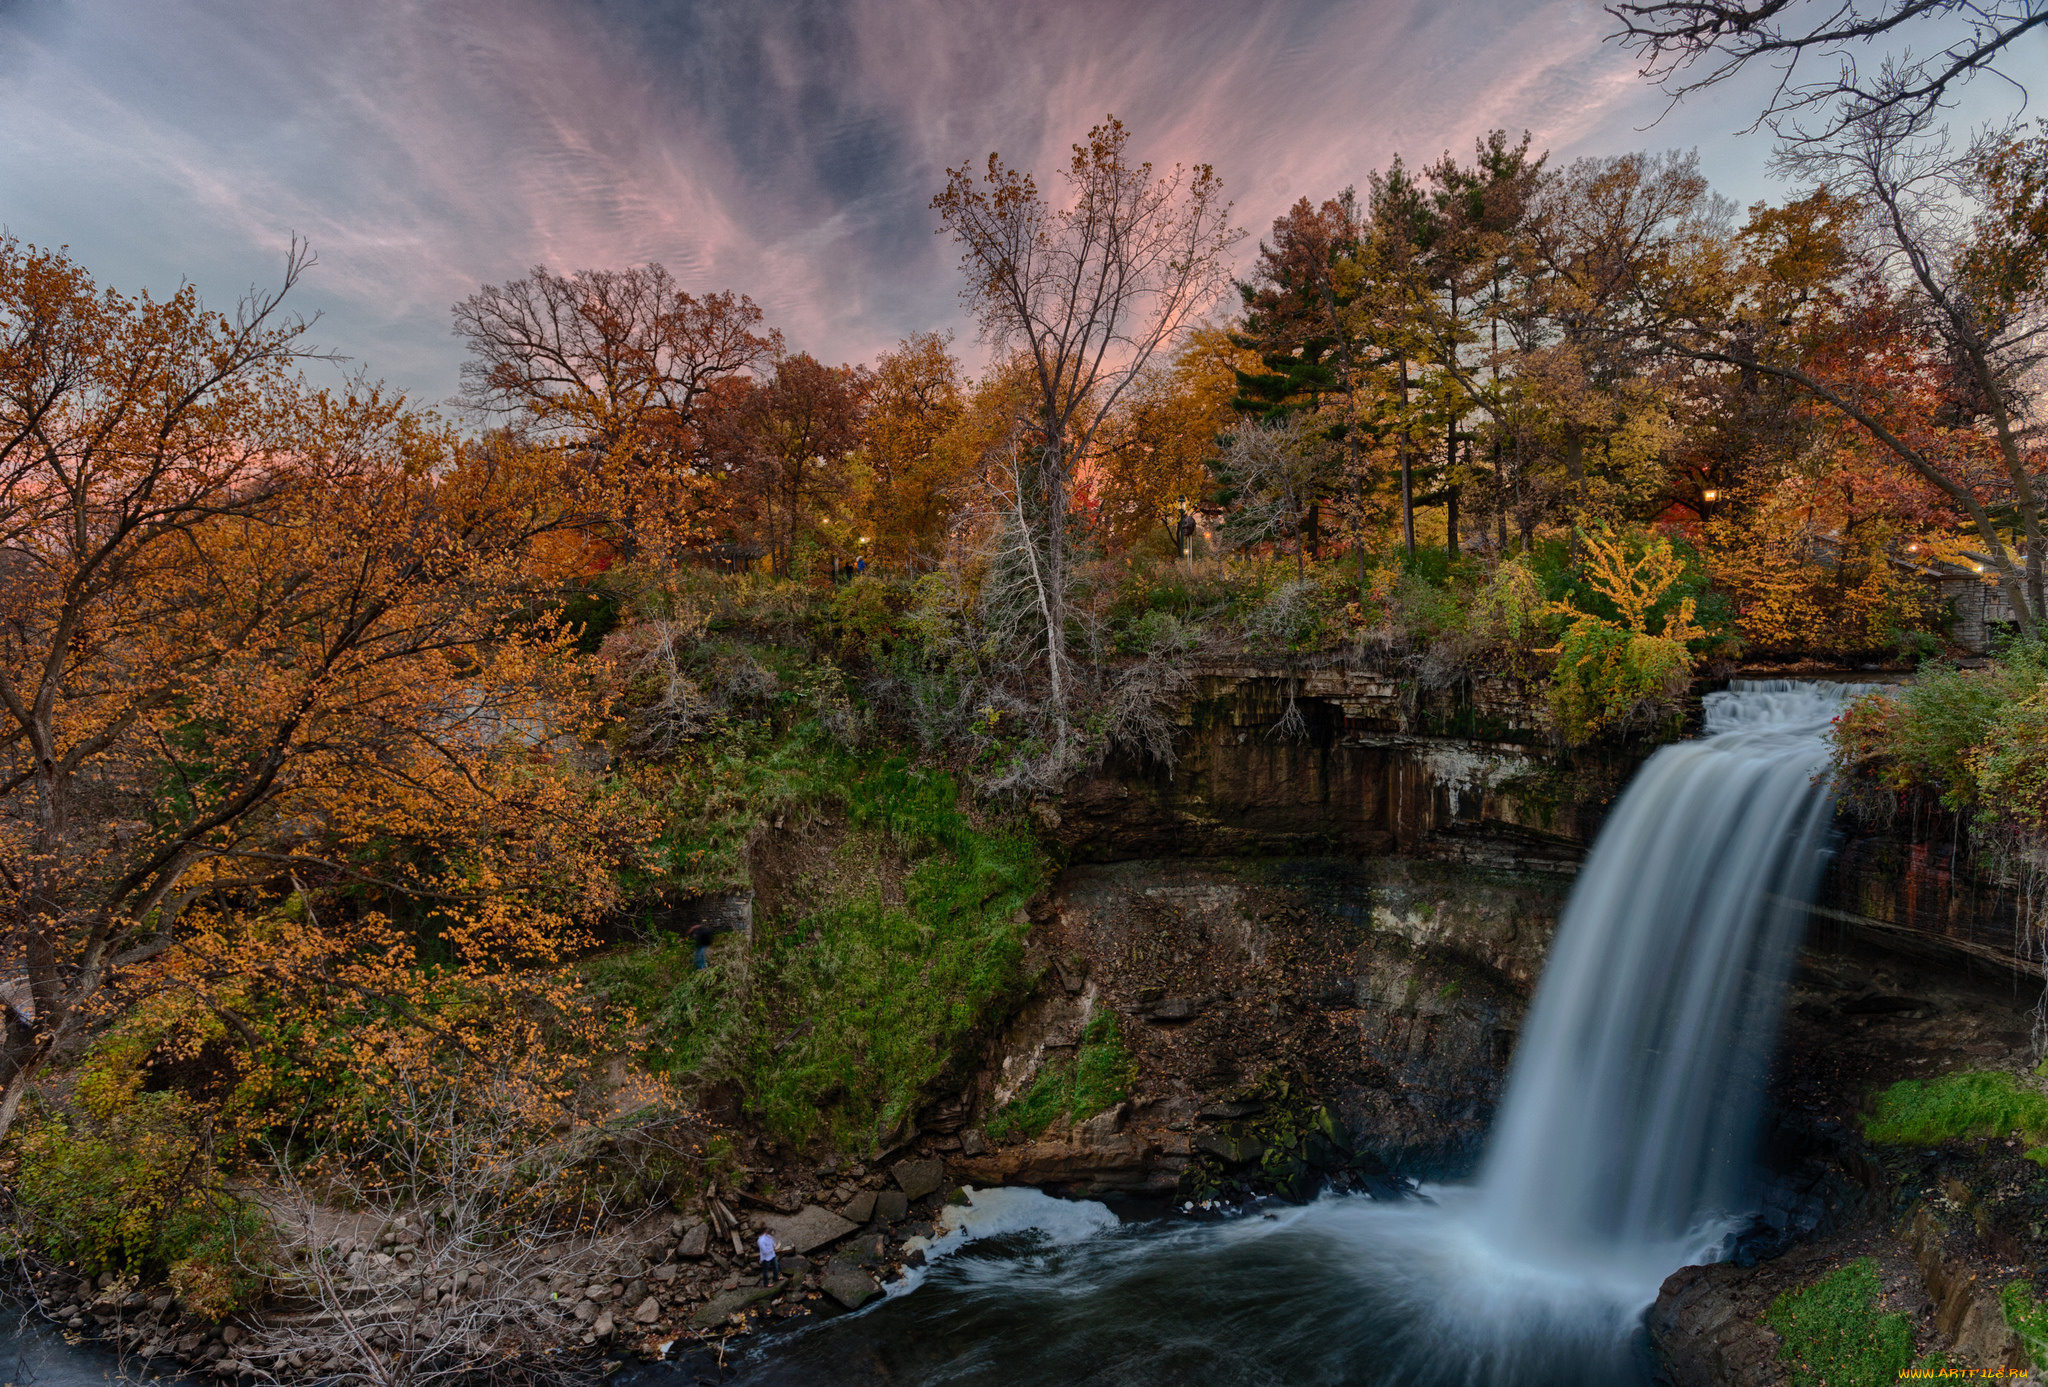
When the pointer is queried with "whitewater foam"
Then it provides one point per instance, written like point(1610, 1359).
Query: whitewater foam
point(991, 1213)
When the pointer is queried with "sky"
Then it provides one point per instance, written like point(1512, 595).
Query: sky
point(786, 149)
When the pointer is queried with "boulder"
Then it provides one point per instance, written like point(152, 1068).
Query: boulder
point(604, 1328)
point(919, 1178)
point(648, 1311)
point(850, 1286)
point(1125, 1161)
point(861, 1207)
point(1235, 1150)
point(662, 1275)
point(714, 1312)
point(810, 1227)
point(696, 1242)
point(1101, 1127)
point(1169, 1010)
point(971, 1143)
point(891, 1205)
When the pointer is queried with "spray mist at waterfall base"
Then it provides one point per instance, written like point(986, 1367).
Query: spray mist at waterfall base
point(1621, 1151)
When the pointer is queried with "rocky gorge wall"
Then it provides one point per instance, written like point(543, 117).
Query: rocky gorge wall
point(1327, 916)
point(1341, 896)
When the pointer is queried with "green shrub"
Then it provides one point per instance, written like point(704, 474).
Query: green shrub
point(130, 1182)
point(225, 1246)
point(1972, 1103)
point(2011, 764)
point(1608, 678)
point(1834, 1335)
point(865, 615)
point(1952, 730)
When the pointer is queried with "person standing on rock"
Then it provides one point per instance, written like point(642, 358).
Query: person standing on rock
point(771, 1257)
point(700, 935)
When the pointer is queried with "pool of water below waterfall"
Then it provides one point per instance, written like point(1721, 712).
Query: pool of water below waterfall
point(1034, 1292)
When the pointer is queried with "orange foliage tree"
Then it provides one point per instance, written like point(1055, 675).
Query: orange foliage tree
point(914, 480)
point(254, 636)
point(618, 365)
point(1152, 464)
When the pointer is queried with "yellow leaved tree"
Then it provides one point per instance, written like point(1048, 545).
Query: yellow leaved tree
point(1617, 675)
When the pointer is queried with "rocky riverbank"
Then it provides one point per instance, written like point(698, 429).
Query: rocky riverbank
point(650, 1288)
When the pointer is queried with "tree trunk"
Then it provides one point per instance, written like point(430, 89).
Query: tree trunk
point(1055, 584)
point(1407, 471)
point(1500, 498)
point(18, 1071)
point(1451, 489)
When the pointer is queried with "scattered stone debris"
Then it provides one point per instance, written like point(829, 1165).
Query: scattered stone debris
point(674, 1278)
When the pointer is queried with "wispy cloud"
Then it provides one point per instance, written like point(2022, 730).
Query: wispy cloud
point(786, 150)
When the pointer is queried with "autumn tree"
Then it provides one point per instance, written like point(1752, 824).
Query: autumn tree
point(1303, 317)
point(1933, 361)
point(1482, 211)
point(614, 363)
point(1616, 245)
point(1153, 464)
point(246, 630)
point(916, 398)
point(782, 449)
point(1087, 294)
point(1276, 471)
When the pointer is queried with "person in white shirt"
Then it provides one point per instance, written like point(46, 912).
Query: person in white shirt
point(771, 1257)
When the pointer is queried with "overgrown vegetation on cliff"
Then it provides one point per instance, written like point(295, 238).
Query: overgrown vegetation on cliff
point(883, 957)
point(1975, 740)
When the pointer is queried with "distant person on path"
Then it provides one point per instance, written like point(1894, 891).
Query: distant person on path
point(771, 1257)
point(700, 935)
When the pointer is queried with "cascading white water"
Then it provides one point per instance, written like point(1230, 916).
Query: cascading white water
point(1625, 1133)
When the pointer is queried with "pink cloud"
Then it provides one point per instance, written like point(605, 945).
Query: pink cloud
point(787, 153)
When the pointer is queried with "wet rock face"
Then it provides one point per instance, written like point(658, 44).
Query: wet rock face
point(1389, 991)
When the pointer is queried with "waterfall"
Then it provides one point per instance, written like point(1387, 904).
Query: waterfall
point(1625, 1132)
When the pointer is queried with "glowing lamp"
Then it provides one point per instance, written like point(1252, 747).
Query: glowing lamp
point(1710, 495)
